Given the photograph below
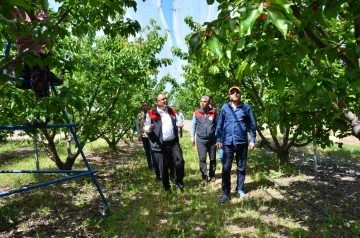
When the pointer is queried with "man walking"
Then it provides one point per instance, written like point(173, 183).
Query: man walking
point(235, 120)
point(142, 136)
point(180, 118)
point(161, 127)
point(213, 105)
point(204, 125)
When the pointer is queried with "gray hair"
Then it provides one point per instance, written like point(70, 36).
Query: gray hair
point(206, 97)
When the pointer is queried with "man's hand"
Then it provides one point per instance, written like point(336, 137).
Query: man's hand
point(218, 145)
point(139, 138)
point(193, 143)
point(179, 124)
point(251, 146)
point(152, 127)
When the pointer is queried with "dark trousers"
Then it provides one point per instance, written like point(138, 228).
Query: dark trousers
point(180, 130)
point(171, 153)
point(39, 78)
point(204, 148)
point(147, 148)
point(240, 152)
point(150, 158)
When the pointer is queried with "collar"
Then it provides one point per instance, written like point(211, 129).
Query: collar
point(205, 111)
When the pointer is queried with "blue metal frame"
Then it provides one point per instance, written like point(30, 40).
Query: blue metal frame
point(78, 173)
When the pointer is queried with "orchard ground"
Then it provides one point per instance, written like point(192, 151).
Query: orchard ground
point(282, 201)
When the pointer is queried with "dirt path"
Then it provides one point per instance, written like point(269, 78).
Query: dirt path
point(187, 125)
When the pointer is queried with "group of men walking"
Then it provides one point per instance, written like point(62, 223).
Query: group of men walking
point(226, 131)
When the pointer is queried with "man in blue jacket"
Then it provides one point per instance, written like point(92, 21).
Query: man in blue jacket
point(203, 125)
point(235, 120)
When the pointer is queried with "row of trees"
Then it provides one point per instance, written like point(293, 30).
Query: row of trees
point(297, 62)
point(106, 77)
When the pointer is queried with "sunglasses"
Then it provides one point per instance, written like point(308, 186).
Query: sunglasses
point(233, 92)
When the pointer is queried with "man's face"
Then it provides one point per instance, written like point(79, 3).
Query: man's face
point(212, 102)
point(234, 95)
point(204, 103)
point(161, 101)
point(145, 106)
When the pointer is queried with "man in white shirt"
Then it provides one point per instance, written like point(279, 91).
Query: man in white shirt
point(180, 118)
point(162, 128)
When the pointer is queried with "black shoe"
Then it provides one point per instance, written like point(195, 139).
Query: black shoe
point(203, 182)
point(180, 186)
point(54, 80)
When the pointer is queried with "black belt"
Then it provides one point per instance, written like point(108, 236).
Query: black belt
point(171, 142)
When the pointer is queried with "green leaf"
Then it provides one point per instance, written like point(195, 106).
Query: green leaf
point(227, 74)
point(309, 83)
point(286, 9)
point(228, 54)
point(240, 70)
point(93, 3)
point(355, 86)
point(210, 2)
point(280, 83)
point(22, 4)
point(195, 41)
point(232, 24)
point(214, 45)
point(216, 30)
point(278, 20)
point(280, 2)
point(241, 44)
point(248, 21)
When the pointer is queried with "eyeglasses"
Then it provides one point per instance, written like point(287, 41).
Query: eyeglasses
point(144, 105)
point(162, 99)
point(233, 92)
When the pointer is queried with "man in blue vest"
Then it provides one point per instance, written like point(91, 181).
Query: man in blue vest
point(162, 129)
point(204, 125)
point(235, 120)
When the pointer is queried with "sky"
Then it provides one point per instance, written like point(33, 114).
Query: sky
point(170, 15)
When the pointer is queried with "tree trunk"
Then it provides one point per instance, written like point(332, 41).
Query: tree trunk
point(351, 117)
point(51, 151)
point(283, 156)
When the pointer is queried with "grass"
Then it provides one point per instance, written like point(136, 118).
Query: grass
point(140, 207)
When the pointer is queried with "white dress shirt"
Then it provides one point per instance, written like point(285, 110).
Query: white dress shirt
point(167, 126)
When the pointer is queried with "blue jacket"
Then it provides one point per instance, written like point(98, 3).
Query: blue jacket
point(233, 125)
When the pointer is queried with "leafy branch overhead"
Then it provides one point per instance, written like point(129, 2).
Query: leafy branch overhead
point(104, 76)
point(302, 53)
